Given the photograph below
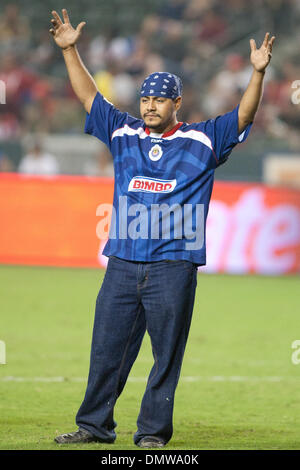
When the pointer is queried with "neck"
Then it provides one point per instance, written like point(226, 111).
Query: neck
point(163, 130)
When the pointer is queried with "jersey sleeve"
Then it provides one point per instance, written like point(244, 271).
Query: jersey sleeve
point(224, 135)
point(103, 119)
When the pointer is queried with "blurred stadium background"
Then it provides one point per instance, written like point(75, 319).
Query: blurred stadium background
point(206, 42)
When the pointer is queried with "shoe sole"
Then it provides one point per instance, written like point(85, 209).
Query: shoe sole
point(83, 441)
point(147, 445)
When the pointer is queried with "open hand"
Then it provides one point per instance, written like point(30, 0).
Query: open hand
point(63, 33)
point(260, 58)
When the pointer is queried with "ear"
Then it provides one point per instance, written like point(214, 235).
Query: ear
point(178, 102)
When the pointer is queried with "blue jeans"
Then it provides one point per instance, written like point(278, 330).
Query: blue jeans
point(135, 297)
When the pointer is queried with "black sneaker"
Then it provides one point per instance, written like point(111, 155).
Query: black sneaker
point(151, 441)
point(79, 436)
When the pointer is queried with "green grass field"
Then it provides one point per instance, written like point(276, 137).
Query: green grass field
point(238, 389)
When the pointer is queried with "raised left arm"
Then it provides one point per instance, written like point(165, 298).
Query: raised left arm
point(260, 59)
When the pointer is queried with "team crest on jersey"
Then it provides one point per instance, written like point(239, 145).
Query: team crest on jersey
point(155, 153)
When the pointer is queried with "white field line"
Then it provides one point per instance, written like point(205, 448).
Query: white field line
point(214, 378)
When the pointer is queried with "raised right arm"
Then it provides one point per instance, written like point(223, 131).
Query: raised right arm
point(66, 37)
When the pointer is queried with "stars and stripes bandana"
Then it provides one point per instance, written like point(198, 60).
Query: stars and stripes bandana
point(162, 84)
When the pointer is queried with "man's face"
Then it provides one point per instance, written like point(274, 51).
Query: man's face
point(158, 112)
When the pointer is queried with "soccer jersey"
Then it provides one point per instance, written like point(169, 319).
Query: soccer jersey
point(163, 182)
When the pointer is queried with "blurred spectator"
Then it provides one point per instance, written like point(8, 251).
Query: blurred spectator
point(116, 85)
point(104, 79)
point(9, 126)
point(173, 9)
point(227, 85)
point(19, 83)
point(14, 29)
point(42, 57)
point(6, 164)
point(153, 62)
point(38, 162)
point(195, 9)
point(100, 165)
point(96, 53)
point(212, 28)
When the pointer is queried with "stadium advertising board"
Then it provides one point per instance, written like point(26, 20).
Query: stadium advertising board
point(251, 228)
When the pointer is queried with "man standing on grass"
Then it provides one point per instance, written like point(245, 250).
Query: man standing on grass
point(164, 173)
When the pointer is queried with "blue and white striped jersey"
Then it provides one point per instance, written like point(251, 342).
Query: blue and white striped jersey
point(163, 182)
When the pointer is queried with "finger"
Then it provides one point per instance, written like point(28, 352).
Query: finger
point(265, 42)
point(56, 17)
point(80, 26)
point(52, 31)
point(271, 42)
point(65, 16)
point(269, 48)
point(54, 24)
point(252, 45)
